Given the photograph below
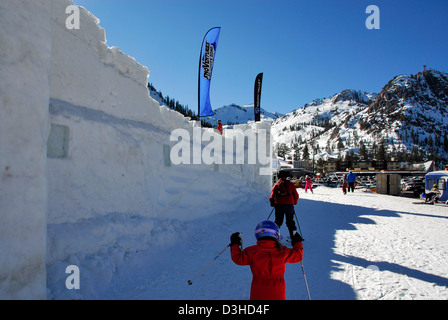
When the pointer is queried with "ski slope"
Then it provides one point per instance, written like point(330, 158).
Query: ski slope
point(361, 246)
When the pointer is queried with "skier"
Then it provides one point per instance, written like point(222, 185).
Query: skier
point(351, 177)
point(433, 196)
point(284, 197)
point(267, 260)
point(296, 182)
point(308, 183)
point(220, 126)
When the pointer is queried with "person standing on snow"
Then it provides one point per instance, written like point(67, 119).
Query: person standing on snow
point(433, 196)
point(351, 177)
point(344, 187)
point(308, 184)
point(267, 260)
point(220, 127)
point(284, 197)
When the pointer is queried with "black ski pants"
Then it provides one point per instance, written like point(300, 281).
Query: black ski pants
point(351, 187)
point(282, 211)
point(431, 196)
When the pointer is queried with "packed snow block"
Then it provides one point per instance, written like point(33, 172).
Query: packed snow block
point(166, 155)
point(25, 64)
point(91, 34)
point(87, 72)
point(256, 151)
point(125, 65)
point(173, 120)
point(113, 165)
point(57, 144)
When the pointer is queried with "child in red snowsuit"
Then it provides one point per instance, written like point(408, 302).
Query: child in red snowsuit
point(344, 188)
point(308, 183)
point(267, 260)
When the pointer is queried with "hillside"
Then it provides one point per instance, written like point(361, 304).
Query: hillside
point(415, 108)
point(409, 114)
point(236, 114)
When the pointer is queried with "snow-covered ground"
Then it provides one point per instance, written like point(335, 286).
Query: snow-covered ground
point(138, 227)
point(234, 114)
point(361, 246)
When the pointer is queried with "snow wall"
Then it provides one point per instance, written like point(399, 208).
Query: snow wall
point(84, 147)
point(25, 64)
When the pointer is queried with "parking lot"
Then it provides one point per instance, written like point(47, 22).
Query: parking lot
point(413, 186)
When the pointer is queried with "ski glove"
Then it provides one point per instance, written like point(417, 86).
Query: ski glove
point(296, 238)
point(236, 239)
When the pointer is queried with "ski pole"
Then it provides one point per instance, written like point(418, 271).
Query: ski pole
point(270, 213)
point(298, 224)
point(306, 282)
point(190, 282)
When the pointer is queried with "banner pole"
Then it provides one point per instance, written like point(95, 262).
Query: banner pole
point(257, 96)
point(199, 71)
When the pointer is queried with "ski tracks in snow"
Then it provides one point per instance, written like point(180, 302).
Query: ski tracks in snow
point(366, 247)
point(398, 255)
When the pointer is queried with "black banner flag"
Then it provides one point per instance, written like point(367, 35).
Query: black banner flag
point(257, 96)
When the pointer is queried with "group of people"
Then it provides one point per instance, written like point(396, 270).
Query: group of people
point(351, 178)
point(267, 259)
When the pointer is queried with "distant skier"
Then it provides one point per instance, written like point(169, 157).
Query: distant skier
point(308, 184)
point(284, 197)
point(351, 177)
point(433, 196)
point(296, 181)
point(220, 126)
point(267, 260)
point(344, 187)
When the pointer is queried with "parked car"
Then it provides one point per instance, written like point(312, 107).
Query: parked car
point(416, 187)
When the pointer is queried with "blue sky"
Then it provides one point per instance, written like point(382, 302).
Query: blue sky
point(305, 49)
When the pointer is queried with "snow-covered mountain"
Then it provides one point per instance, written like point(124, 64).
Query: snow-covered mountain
point(318, 123)
point(415, 108)
point(235, 114)
point(410, 113)
point(229, 115)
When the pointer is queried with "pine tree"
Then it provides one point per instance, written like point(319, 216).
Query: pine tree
point(305, 153)
point(282, 150)
point(363, 151)
point(296, 149)
point(340, 144)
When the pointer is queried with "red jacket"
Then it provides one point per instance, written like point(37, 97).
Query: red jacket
point(267, 264)
point(292, 198)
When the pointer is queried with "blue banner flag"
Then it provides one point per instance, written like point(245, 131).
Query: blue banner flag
point(206, 60)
